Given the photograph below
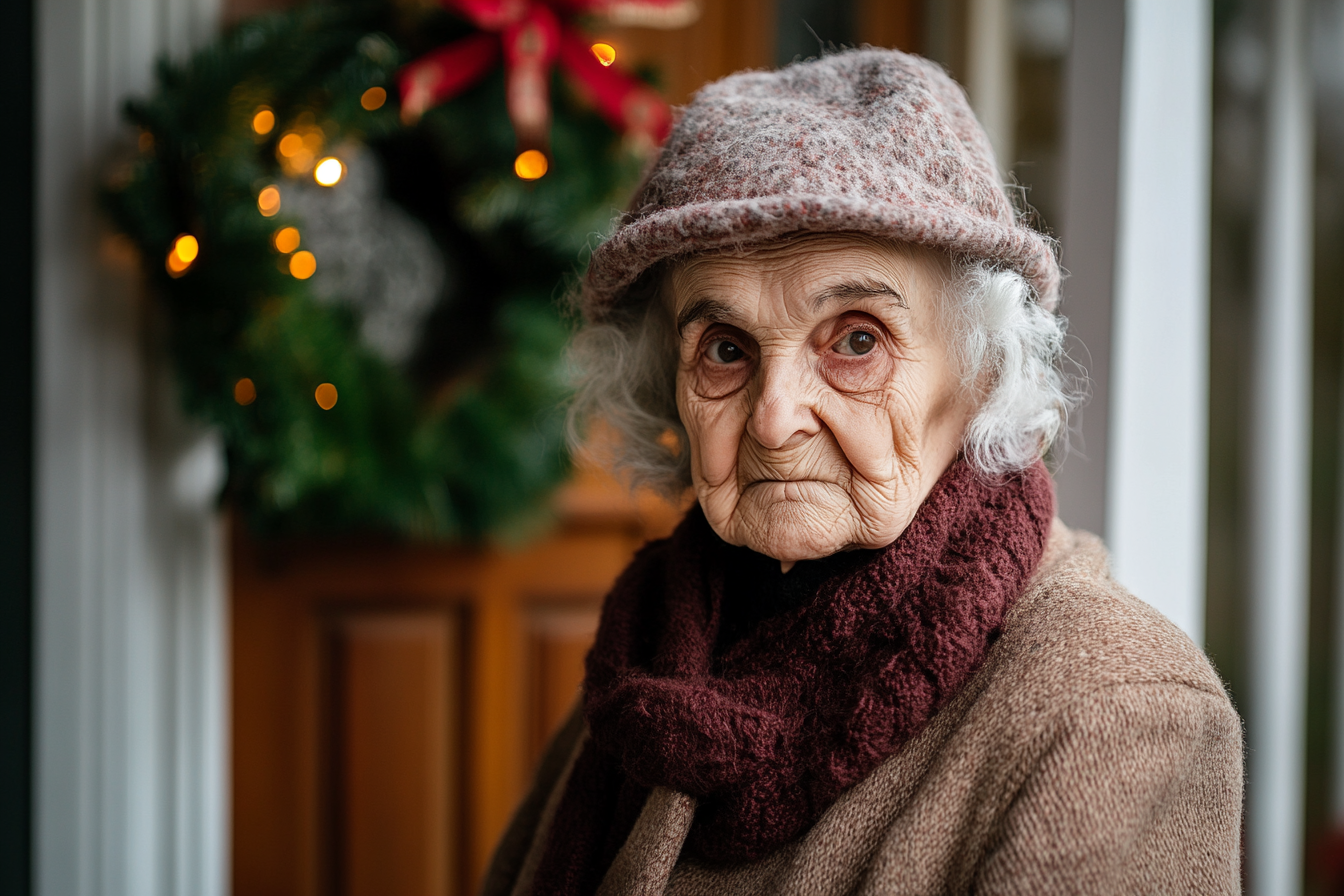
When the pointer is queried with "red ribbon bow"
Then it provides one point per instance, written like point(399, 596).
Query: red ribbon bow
point(533, 35)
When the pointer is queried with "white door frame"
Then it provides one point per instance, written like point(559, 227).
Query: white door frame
point(130, 795)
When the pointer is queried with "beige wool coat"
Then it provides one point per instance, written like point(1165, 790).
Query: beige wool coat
point(1095, 752)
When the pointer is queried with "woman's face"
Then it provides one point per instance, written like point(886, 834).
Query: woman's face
point(817, 386)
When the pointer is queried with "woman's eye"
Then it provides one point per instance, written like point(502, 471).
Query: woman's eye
point(725, 351)
point(856, 342)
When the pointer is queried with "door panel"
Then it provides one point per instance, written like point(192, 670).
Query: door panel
point(398, 718)
point(390, 700)
point(558, 640)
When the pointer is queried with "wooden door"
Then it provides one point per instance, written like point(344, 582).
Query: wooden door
point(389, 700)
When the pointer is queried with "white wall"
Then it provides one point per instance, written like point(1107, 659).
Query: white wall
point(1157, 476)
point(1093, 89)
point(1280, 466)
point(1135, 239)
point(130, 795)
point(990, 77)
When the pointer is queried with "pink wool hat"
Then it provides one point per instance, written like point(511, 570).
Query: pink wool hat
point(870, 141)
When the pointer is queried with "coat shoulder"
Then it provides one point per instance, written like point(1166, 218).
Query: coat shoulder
point(1076, 629)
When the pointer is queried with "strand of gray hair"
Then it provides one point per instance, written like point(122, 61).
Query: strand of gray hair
point(1004, 339)
point(626, 378)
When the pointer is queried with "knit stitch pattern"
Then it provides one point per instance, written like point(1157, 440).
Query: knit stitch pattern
point(871, 141)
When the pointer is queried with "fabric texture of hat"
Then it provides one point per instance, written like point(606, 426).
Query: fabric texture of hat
point(871, 141)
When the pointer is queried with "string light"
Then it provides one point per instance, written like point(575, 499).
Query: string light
point(530, 164)
point(302, 265)
point(605, 53)
point(326, 396)
point(186, 247)
point(373, 98)
point(299, 147)
point(286, 239)
point(263, 121)
point(181, 255)
point(244, 391)
point(268, 201)
point(290, 145)
point(329, 171)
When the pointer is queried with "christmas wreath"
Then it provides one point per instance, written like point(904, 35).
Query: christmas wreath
point(359, 226)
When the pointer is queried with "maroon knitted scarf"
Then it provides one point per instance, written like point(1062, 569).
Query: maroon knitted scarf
point(767, 728)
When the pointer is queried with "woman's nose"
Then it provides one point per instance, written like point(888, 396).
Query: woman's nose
point(782, 413)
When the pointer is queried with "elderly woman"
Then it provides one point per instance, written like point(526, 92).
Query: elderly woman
point(869, 660)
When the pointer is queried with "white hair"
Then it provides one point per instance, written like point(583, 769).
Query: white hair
point(1008, 349)
point(1011, 350)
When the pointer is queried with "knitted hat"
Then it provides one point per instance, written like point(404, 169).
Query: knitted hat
point(873, 141)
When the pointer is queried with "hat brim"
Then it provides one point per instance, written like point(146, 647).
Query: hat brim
point(641, 243)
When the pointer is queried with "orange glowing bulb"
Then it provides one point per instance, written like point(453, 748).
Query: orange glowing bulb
point(326, 396)
point(290, 145)
point(605, 53)
point(186, 248)
point(329, 171)
point(302, 265)
point(268, 201)
point(182, 254)
point(244, 391)
point(373, 98)
point(287, 239)
point(263, 121)
point(530, 164)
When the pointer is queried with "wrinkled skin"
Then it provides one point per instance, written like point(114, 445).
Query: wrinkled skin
point(818, 389)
